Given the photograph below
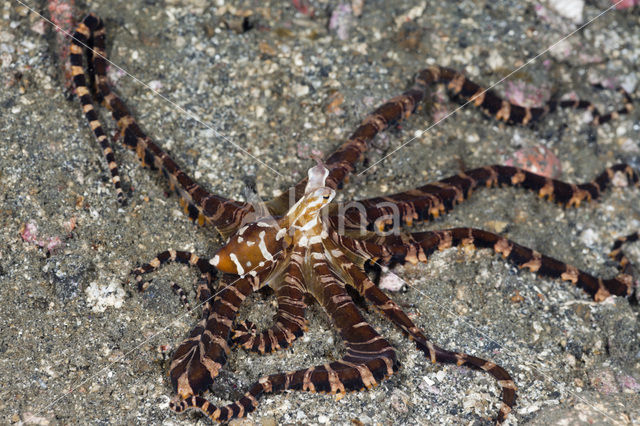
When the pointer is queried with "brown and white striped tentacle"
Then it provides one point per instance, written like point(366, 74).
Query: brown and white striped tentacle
point(198, 359)
point(168, 256)
point(364, 345)
point(624, 265)
point(289, 321)
point(419, 246)
point(199, 205)
point(493, 105)
point(342, 162)
point(388, 249)
point(435, 199)
point(90, 30)
point(598, 118)
point(501, 375)
point(203, 286)
point(387, 307)
point(361, 282)
point(523, 257)
point(369, 359)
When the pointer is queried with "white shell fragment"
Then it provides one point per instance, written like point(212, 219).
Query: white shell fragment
point(101, 296)
point(391, 282)
point(569, 9)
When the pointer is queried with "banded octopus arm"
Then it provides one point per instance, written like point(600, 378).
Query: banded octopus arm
point(200, 205)
point(393, 250)
point(388, 308)
point(198, 359)
point(369, 358)
point(342, 162)
point(435, 199)
point(289, 321)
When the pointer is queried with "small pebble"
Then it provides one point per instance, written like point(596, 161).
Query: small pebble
point(570, 9)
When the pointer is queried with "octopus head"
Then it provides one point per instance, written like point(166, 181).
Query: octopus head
point(305, 213)
point(257, 245)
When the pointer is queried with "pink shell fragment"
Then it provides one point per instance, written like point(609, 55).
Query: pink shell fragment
point(29, 234)
point(625, 4)
point(536, 159)
point(303, 7)
point(62, 13)
point(526, 95)
point(341, 21)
